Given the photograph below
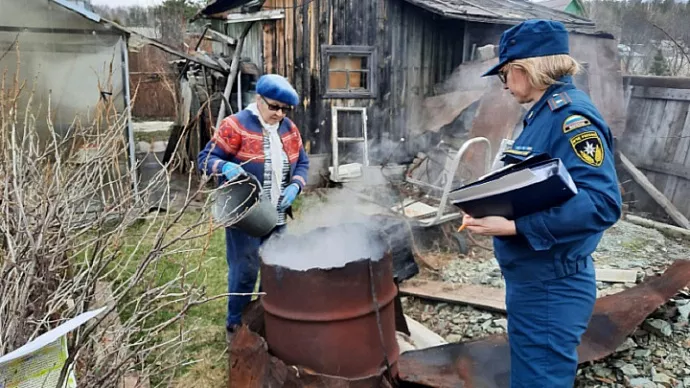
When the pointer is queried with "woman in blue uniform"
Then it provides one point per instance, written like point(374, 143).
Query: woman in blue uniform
point(546, 257)
point(262, 141)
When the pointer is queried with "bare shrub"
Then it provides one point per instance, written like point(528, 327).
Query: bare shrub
point(65, 246)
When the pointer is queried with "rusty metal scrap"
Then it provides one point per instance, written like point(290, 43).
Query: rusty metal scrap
point(252, 366)
point(482, 363)
point(485, 363)
point(617, 316)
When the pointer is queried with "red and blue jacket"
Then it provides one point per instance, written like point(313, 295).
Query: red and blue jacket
point(239, 139)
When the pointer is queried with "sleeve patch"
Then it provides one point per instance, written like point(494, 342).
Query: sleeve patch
point(574, 122)
point(589, 148)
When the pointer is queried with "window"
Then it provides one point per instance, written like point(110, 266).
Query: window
point(348, 71)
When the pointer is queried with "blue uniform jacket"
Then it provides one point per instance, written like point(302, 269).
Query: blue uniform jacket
point(239, 139)
point(555, 243)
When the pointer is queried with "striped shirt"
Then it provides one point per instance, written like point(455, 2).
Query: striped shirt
point(268, 181)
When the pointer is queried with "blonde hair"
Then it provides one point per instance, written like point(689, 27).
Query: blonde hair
point(543, 72)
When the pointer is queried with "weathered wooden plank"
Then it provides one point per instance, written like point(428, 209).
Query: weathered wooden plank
point(269, 47)
point(660, 82)
point(672, 147)
point(664, 202)
point(663, 143)
point(662, 227)
point(673, 169)
point(613, 275)
point(680, 196)
point(280, 42)
point(473, 295)
point(661, 93)
point(290, 40)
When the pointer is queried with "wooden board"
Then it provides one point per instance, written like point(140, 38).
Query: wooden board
point(661, 93)
point(664, 202)
point(611, 275)
point(479, 296)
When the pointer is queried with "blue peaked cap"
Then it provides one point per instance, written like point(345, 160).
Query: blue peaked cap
point(277, 88)
point(531, 38)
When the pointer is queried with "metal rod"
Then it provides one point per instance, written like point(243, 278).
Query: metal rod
point(128, 109)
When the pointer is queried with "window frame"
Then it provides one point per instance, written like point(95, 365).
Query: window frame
point(328, 51)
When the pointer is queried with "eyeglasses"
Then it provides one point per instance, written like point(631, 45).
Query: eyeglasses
point(275, 107)
point(503, 75)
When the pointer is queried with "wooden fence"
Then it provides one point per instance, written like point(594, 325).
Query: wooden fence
point(657, 141)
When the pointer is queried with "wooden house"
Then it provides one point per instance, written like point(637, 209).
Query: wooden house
point(370, 63)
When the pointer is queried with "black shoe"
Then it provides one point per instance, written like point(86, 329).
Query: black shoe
point(230, 333)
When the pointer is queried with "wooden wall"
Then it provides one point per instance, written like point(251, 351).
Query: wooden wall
point(154, 82)
point(657, 140)
point(415, 50)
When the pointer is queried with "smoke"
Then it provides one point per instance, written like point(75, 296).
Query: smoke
point(328, 235)
point(344, 229)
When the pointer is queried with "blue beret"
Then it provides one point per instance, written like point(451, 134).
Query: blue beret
point(277, 88)
point(531, 38)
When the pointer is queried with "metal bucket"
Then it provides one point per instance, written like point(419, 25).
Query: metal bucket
point(329, 320)
point(238, 204)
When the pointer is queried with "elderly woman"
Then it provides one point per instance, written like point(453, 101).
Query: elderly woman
point(546, 257)
point(262, 141)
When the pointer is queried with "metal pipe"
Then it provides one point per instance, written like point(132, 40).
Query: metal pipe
point(128, 109)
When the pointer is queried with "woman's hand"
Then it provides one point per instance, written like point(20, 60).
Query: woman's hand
point(490, 226)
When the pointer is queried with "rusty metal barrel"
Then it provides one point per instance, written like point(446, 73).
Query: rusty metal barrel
point(326, 319)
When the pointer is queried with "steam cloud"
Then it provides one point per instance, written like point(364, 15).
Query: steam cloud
point(328, 235)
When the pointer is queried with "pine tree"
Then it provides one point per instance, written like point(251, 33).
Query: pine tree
point(659, 66)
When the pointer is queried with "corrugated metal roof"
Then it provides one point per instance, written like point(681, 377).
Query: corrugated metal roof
point(80, 9)
point(220, 6)
point(500, 11)
point(557, 4)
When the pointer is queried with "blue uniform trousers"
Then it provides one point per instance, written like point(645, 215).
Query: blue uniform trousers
point(546, 320)
point(242, 256)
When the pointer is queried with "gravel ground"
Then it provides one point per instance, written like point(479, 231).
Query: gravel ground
point(657, 355)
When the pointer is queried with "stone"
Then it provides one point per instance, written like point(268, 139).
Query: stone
point(642, 382)
point(660, 353)
point(659, 327)
point(502, 322)
point(629, 370)
point(486, 325)
point(453, 338)
point(686, 381)
point(602, 371)
point(684, 311)
point(661, 378)
point(627, 345)
point(642, 353)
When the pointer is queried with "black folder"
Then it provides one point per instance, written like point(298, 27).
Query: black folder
point(535, 184)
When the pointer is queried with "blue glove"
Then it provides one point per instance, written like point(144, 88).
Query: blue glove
point(289, 196)
point(232, 170)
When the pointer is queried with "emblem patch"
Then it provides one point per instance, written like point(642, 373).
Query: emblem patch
point(574, 122)
point(559, 100)
point(588, 147)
